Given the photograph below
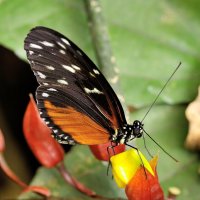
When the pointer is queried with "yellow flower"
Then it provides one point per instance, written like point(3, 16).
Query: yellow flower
point(126, 164)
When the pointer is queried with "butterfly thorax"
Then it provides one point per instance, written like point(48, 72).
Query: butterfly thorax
point(128, 132)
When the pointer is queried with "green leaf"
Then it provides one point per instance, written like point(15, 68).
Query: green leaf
point(149, 40)
point(19, 16)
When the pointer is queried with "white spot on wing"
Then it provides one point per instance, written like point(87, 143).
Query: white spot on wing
point(76, 67)
point(36, 46)
point(31, 52)
point(95, 90)
point(45, 84)
point(79, 52)
point(65, 41)
point(69, 68)
point(62, 81)
point(52, 89)
point(96, 71)
point(91, 74)
point(47, 44)
point(41, 75)
point(50, 67)
point(62, 51)
point(44, 94)
point(61, 45)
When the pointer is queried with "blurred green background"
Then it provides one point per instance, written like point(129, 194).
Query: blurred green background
point(149, 39)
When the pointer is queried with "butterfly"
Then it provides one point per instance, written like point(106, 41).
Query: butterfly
point(74, 98)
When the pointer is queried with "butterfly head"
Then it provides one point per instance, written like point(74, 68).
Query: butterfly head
point(137, 129)
point(129, 132)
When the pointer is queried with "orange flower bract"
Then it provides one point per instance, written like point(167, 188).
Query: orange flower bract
point(145, 187)
point(101, 153)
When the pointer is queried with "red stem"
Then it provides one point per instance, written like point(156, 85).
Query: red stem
point(75, 183)
point(10, 173)
point(79, 186)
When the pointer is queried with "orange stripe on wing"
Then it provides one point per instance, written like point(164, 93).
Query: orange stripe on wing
point(79, 126)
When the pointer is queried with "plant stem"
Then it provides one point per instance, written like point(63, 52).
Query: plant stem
point(100, 37)
point(42, 191)
point(10, 174)
point(102, 46)
point(72, 181)
point(79, 186)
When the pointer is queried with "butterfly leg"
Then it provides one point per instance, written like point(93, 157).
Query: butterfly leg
point(144, 145)
point(139, 156)
point(112, 146)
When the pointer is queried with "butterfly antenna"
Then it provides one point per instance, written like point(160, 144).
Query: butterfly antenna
point(161, 91)
point(160, 147)
point(146, 146)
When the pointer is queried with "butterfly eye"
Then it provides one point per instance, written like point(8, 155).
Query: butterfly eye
point(137, 128)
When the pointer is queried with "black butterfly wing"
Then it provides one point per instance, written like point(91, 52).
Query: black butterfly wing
point(74, 98)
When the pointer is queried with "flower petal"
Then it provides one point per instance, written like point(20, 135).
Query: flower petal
point(125, 165)
point(145, 187)
point(101, 153)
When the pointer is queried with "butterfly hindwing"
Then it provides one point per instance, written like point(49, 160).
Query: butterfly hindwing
point(74, 98)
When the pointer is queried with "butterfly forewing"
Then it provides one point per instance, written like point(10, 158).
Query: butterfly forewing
point(74, 98)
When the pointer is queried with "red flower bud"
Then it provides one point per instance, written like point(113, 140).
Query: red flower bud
point(47, 150)
point(145, 187)
point(100, 151)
